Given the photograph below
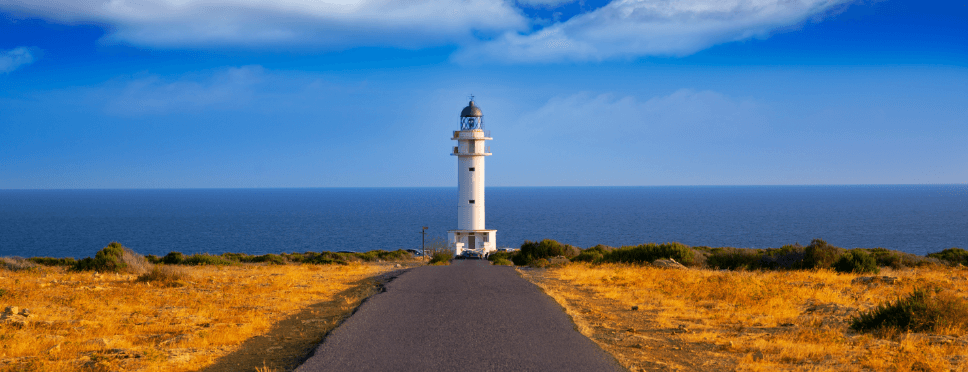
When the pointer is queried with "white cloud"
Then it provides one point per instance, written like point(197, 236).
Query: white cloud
point(486, 30)
point(280, 23)
point(12, 59)
point(633, 28)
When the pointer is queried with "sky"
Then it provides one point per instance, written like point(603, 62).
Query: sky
point(366, 93)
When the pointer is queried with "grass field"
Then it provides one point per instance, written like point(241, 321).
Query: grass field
point(699, 319)
point(112, 322)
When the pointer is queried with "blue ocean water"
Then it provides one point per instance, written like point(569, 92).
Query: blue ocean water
point(76, 223)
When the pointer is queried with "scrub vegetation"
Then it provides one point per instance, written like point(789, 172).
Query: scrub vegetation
point(815, 307)
point(120, 311)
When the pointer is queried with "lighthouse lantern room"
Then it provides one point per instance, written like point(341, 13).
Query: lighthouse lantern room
point(471, 235)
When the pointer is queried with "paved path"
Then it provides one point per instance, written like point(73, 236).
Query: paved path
point(468, 316)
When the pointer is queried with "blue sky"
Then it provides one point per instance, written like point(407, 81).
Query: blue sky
point(364, 93)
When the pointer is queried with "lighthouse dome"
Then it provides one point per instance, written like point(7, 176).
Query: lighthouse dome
point(471, 111)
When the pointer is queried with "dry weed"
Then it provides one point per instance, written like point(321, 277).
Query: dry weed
point(88, 321)
point(786, 320)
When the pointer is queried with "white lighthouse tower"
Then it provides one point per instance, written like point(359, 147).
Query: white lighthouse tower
point(470, 152)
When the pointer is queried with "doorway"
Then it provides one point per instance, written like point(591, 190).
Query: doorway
point(470, 242)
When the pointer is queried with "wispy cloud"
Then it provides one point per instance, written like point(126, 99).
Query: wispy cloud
point(606, 117)
point(484, 30)
point(276, 23)
point(635, 28)
point(15, 58)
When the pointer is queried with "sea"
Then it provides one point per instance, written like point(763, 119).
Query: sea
point(917, 219)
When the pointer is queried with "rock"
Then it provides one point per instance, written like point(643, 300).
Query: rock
point(25, 312)
point(11, 310)
point(682, 328)
point(890, 279)
point(17, 321)
point(635, 308)
point(787, 325)
point(667, 264)
point(397, 265)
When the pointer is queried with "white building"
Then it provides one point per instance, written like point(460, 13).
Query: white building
point(470, 152)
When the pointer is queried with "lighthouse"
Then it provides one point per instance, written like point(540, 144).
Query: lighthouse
point(471, 233)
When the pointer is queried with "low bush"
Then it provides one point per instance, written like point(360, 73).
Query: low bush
point(272, 259)
point(857, 261)
point(531, 251)
point(502, 262)
point(166, 275)
point(505, 256)
point(173, 258)
point(114, 258)
point(16, 263)
point(382, 255)
point(593, 254)
point(50, 261)
point(441, 258)
point(952, 255)
point(820, 255)
point(923, 311)
point(734, 258)
point(787, 257)
point(646, 253)
point(887, 258)
point(207, 259)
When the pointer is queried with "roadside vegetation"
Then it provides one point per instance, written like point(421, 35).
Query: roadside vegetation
point(815, 307)
point(120, 311)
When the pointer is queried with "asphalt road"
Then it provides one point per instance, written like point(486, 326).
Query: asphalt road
point(468, 316)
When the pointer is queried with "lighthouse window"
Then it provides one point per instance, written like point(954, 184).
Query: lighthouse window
point(471, 201)
point(485, 237)
point(472, 169)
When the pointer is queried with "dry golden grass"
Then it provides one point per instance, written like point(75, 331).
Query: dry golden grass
point(178, 320)
point(760, 321)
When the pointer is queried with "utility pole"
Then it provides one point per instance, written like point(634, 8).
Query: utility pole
point(423, 241)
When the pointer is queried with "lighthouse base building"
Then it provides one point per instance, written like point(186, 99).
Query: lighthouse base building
point(471, 235)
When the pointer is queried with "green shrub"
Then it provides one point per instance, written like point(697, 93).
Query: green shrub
point(734, 258)
point(952, 255)
point(50, 261)
point(888, 258)
point(540, 263)
point(207, 259)
point(153, 259)
point(107, 259)
point(506, 256)
point(589, 256)
point(922, 311)
point(856, 261)
point(441, 258)
point(272, 259)
point(502, 262)
point(531, 251)
point(382, 255)
point(593, 254)
point(820, 255)
point(646, 253)
point(173, 258)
